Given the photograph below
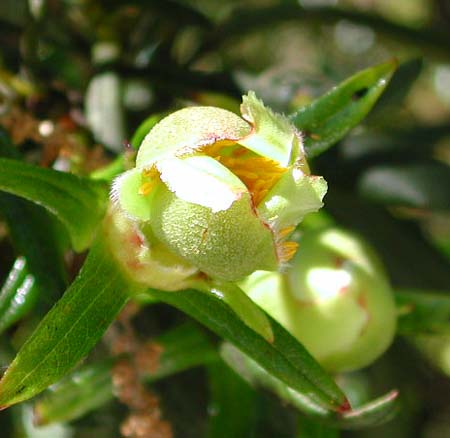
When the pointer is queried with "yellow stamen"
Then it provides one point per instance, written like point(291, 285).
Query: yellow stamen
point(150, 177)
point(285, 231)
point(258, 197)
point(146, 188)
point(150, 173)
point(246, 174)
point(287, 250)
point(259, 174)
point(215, 148)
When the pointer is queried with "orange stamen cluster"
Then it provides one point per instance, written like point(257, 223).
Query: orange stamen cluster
point(259, 174)
point(150, 178)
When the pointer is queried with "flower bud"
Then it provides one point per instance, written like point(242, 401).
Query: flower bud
point(335, 298)
point(221, 192)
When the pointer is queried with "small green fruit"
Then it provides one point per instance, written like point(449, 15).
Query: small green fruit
point(335, 298)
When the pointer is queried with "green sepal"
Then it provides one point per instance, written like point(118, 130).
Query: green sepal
point(71, 328)
point(146, 260)
point(227, 245)
point(294, 196)
point(125, 193)
point(188, 130)
point(272, 136)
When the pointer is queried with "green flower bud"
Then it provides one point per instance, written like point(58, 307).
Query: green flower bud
point(335, 298)
point(221, 192)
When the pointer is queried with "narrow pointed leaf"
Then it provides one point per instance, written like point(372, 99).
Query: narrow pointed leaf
point(37, 236)
point(69, 331)
point(326, 120)
point(371, 414)
point(111, 170)
point(244, 307)
point(285, 357)
point(90, 387)
point(85, 390)
point(79, 203)
point(18, 295)
point(257, 376)
point(399, 86)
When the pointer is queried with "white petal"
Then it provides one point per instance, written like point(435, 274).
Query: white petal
point(201, 180)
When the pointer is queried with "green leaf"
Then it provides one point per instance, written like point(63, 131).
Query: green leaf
point(79, 203)
point(69, 331)
point(232, 406)
point(423, 311)
point(398, 87)
point(37, 236)
point(90, 387)
point(373, 413)
point(85, 390)
point(18, 295)
point(244, 307)
point(256, 375)
point(422, 185)
point(326, 120)
point(285, 357)
point(111, 170)
point(25, 427)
